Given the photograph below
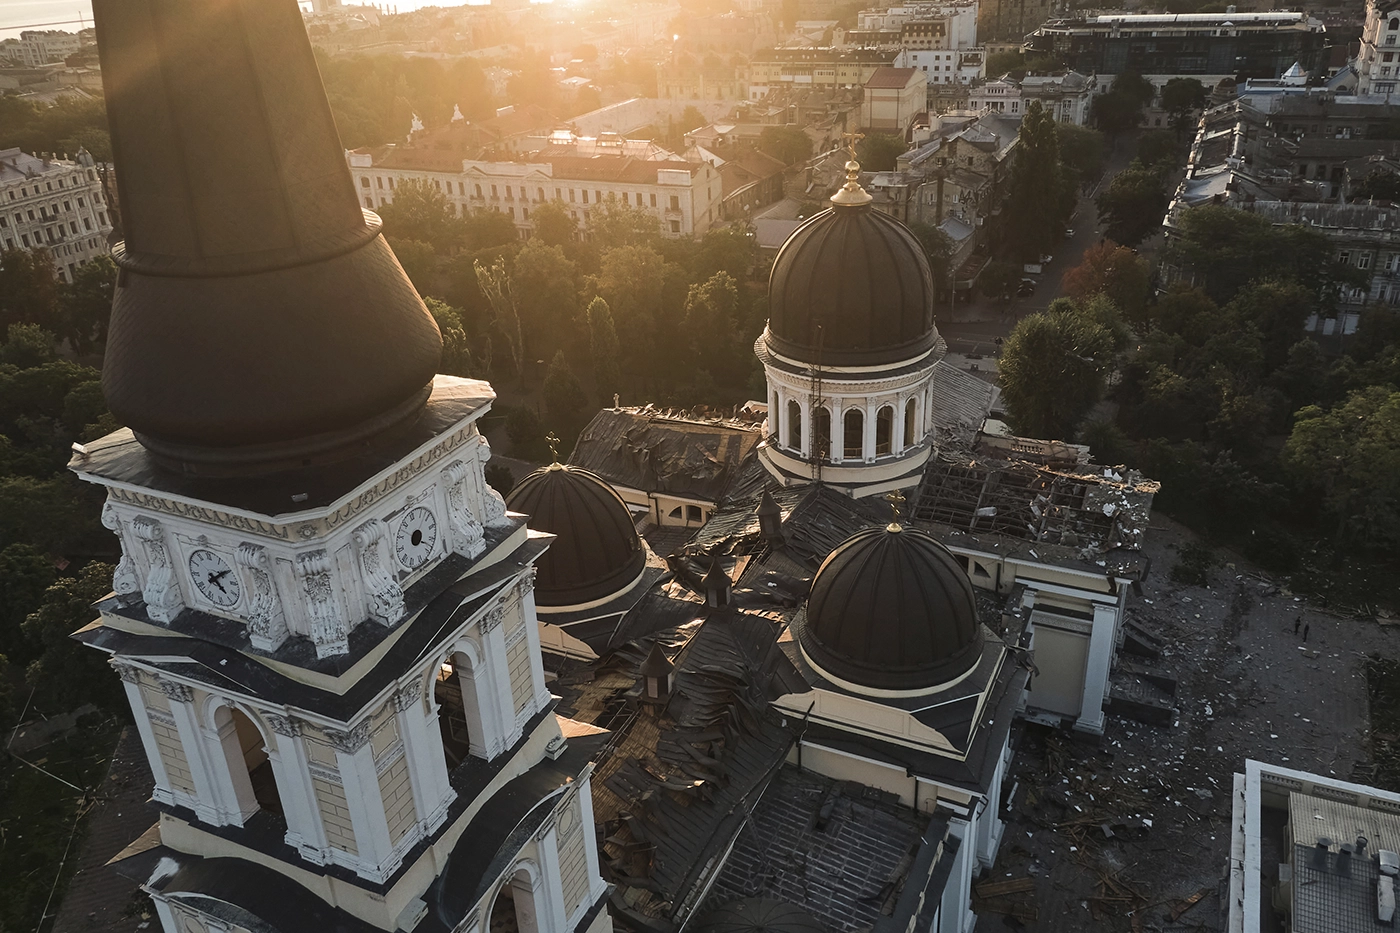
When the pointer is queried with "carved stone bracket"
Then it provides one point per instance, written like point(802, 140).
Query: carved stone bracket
point(493, 506)
point(527, 580)
point(124, 580)
point(351, 740)
point(284, 725)
point(267, 624)
point(127, 672)
point(162, 590)
point(468, 537)
point(329, 632)
point(181, 693)
point(492, 618)
point(385, 596)
point(408, 695)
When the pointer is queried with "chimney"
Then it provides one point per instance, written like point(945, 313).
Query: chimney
point(260, 320)
point(770, 519)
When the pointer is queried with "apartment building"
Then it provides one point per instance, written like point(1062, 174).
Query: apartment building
point(56, 204)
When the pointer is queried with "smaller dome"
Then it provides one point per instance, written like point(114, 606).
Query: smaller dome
point(892, 609)
point(597, 552)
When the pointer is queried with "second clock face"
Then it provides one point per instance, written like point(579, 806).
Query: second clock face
point(416, 538)
point(214, 578)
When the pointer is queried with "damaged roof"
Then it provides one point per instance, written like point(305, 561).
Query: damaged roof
point(684, 454)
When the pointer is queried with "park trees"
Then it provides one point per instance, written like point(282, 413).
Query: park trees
point(786, 143)
point(1121, 108)
point(879, 151)
point(602, 345)
point(420, 211)
point(1037, 189)
point(1054, 367)
point(1133, 204)
point(1181, 96)
point(1111, 270)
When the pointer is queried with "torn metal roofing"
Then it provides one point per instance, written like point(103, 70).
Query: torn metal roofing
point(683, 454)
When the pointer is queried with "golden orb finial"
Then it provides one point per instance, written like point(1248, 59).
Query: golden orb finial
point(852, 193)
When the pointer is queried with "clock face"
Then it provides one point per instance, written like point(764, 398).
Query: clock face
point(214, 578)
point(416, 538)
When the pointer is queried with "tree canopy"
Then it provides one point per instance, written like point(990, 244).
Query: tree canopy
point(1054, 367)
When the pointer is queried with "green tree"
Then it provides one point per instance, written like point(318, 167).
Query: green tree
point(87, 305)
point(1278, 310)
point(29, 289)
point(711, 327)
point(1352, 454)
point(420, 211)
point(419, 261)
point(545, 288)
point(1180, 96)
point(484, 229)
point(1121, 108)
point(1037, 187)
point(614, 224)
point(1052, 371)
point(878, 152)
point(787, 143)
point(1379, 185)
point(633, 280)
point(554, 224)
point(495, 284)
point(998, 279)
point(564, 400)
point(25, 574)
point(1133, 205)
point(938, 248)
point(1081, 151)
point(458, 359)
point(602, 344)
point(1155, 147)
point(68, 674)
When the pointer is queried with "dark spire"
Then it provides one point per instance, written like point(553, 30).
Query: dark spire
point(717, 584)
point(260, 319)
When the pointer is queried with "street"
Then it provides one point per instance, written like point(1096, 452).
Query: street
point(976, 324)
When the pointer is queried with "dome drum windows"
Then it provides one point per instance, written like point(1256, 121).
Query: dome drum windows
point(853, 435)
point(794, 425)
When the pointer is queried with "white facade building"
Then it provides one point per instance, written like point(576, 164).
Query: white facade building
point(1378, 62)
point(36, 48)
point(684, 196)
point(56, 204)
point(942, 66)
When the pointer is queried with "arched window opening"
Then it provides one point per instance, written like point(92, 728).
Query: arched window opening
point(456, 698)
point(884, 431)
point(853, 447)
point(774, 409)
point(254, 784)
point(911, 423)
point(794, 425)
point(821, 434)
point(514, 910)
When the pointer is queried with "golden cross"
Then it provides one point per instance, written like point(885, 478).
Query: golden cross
point(851, 140)
point(552, 440)
point(896, 501)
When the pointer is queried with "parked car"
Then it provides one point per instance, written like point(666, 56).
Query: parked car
point(1069, 233)
point(1027, 287)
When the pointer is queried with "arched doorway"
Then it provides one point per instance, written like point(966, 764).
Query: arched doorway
point(250, 767)
point(514, 910)
point(455, 694)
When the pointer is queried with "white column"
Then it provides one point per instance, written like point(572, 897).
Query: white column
point(596, 884)
point(131, 682)
point(355, 759)
point(549, 896)
point(238, 790)
point(532, 634)
point(1091, 718)
point(870, 410)
point(292, 769)
point(427, 764)
point(497, 704)
point(210, 793)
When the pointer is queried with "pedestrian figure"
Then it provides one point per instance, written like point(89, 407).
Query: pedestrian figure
point(1305, 631)
point(1296, 623)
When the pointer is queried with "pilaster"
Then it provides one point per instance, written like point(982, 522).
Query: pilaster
point(422, 744)
point(596, 884)
point(1101, 637)
point(292, 767)
point(131, 683)
point(549, 900)
point(209, 803)
point(355, 759)
point(497, 693)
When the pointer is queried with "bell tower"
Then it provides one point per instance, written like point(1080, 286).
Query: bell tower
point(323, 616)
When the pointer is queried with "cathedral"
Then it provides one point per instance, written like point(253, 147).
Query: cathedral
point(375, 696)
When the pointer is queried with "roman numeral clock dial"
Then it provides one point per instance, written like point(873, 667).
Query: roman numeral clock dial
point(214, 578)
point(416, 538)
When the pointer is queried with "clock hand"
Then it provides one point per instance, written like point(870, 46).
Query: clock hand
point(214, 579)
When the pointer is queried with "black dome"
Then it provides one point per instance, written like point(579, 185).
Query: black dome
point(597, 552)
point(863, 277)
point(892, 609)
